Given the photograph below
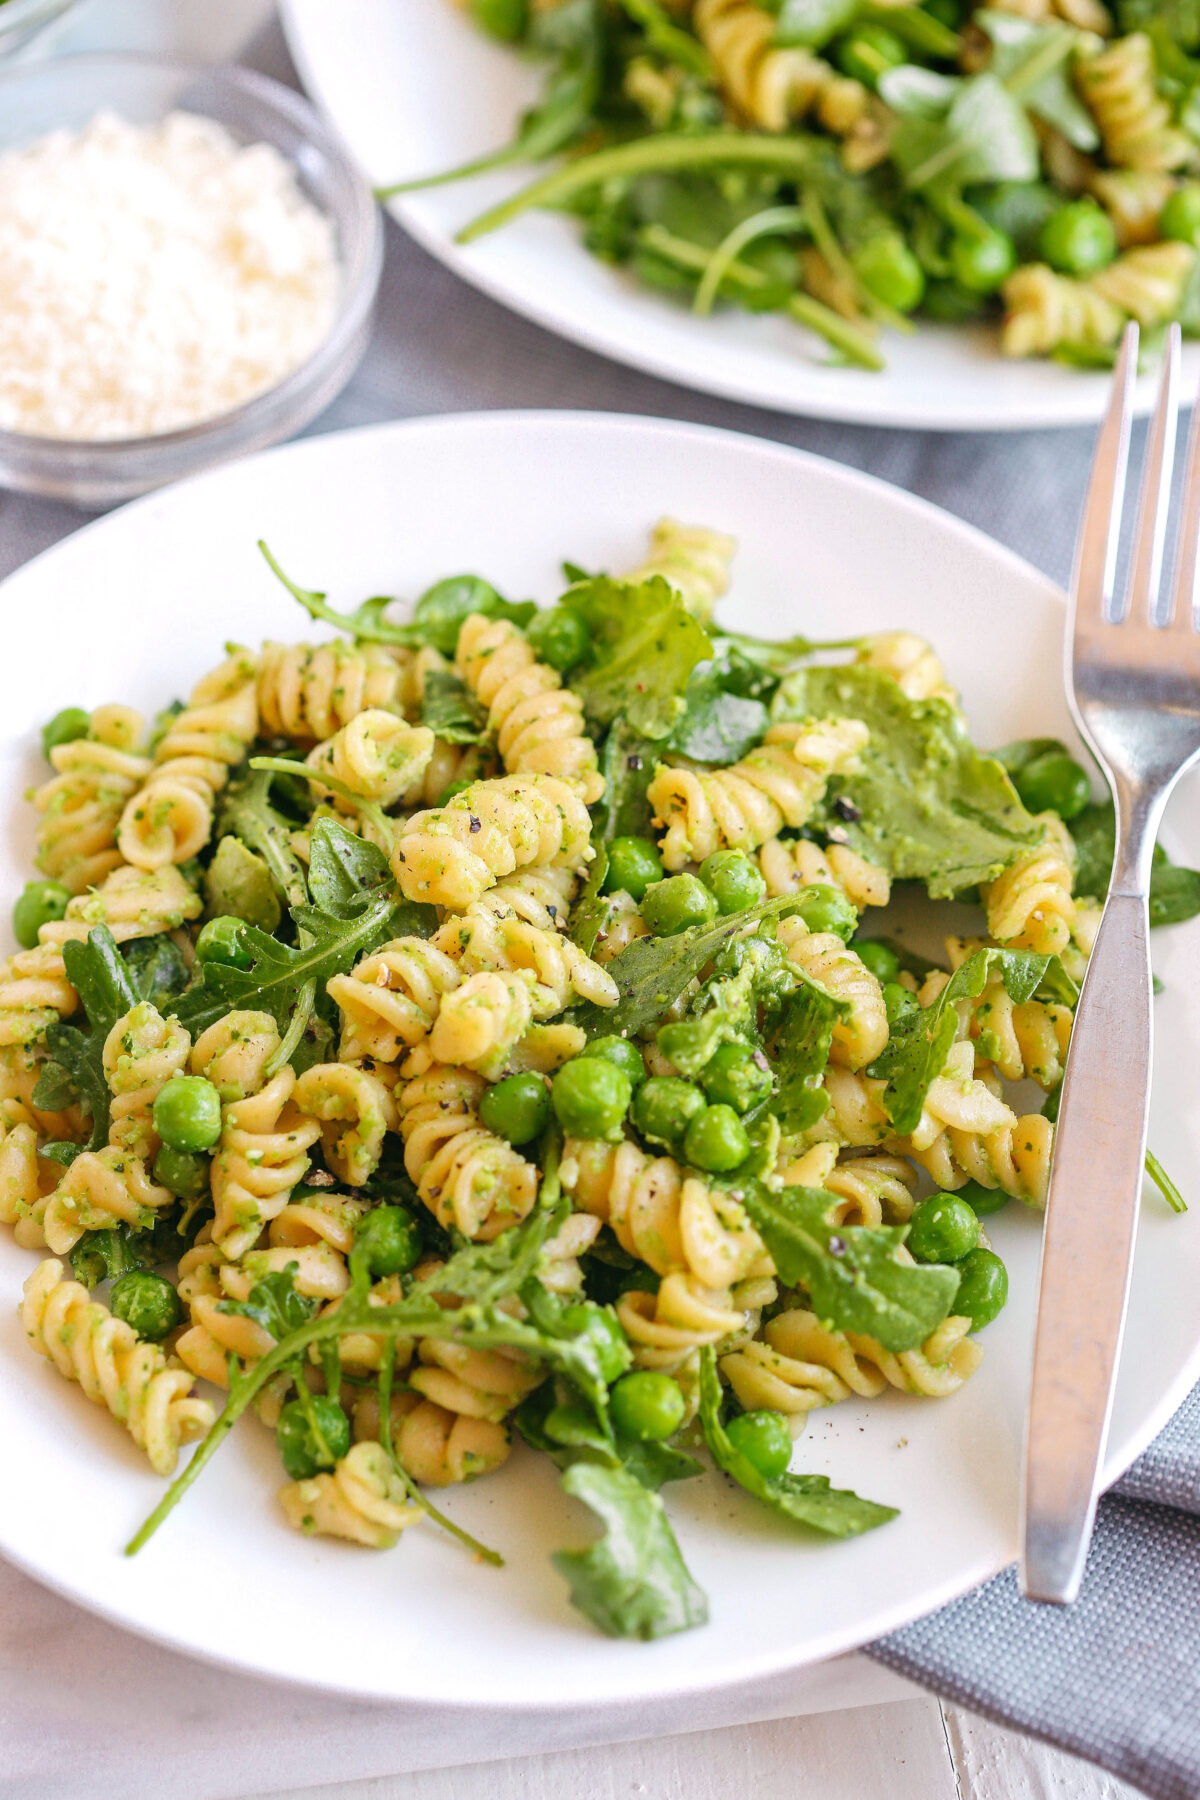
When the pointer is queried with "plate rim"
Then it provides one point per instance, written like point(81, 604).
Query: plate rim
point(1081, 403)
point(749, 1667)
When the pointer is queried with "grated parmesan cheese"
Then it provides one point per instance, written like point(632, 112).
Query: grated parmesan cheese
point(151, 277)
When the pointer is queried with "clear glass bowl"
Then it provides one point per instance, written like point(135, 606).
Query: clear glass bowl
point(67, 92)
point(21, 20)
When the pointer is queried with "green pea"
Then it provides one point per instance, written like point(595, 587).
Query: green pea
point(1180, 217)
point(39, 904)
point(64, 728)
point(223, 940)
point(633, 864)
point(664, 1107)
point(881, 959)
point(392, 1239)
point(983, 260)
point(1054, 783)
point(503, 19)
point(591, 1098)
point(187, 1113)
point(148, 1303)
point(982, 1288)
point(1078, 239)
point(951, 303)
point(674, 905)
point(305, 1453)
point(733, 880)
point(982, 1201)
point(888, 269)
point(622, 1054)
point(736, 1076)
point(517, 1108)
point(899, 1004)
point(716, 1140)
point(647, 1405)
point(943, 1229)
point(600, 1325)
point(186, 1175)
point(763, 1439)
point(559, 636)
point(868, 52)
point(825, 908)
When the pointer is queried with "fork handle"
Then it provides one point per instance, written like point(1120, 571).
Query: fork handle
point(1095, 1189)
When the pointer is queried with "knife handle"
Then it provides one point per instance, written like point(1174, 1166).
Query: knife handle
point(1087, 1252)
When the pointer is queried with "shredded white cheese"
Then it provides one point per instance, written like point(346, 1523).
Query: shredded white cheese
point(151, 277)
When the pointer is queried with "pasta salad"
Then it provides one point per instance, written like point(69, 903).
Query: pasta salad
point(471, 1028)
point(853, 165)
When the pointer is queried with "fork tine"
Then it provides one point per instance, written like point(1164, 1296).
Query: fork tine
point(1181, 617)
point(1153, 508)
point(1095, 569)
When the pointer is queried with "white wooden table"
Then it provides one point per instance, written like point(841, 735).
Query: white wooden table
point(910, 1748)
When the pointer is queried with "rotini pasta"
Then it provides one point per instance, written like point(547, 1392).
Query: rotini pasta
point(739, 808)
point(913, 664)
point(170, 818)
point(81, 807)
point(265, 1140)
point(307, 692)
point(355, 1109)
point(790, 863)
point(481, 941)
point(141, 1053)
point(453, 854)
point(859, 1037)
point(467, 1177)
point(1030, 905)
point(363, 1501)
point(377, 756)
point(390, 999)
point(770, 86)
point(133, 1379)
point(101, 1188)
point(1119, 85)
point(538, 723)
point(693, 559)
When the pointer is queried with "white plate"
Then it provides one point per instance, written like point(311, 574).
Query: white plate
point(414, 87)
point(135, 607)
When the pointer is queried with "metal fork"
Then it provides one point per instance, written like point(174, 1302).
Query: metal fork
point(1133, 683)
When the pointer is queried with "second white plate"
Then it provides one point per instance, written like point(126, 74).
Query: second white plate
point(414, 87)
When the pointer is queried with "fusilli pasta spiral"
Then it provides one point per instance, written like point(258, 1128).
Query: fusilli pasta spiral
point(913, 664)
point(772, 86)
point(133, 903)
point(739, 808)
point(377, 756)
point(861, 1035)
point(233, 1054)
point(355, 1109)
point(1030, 905)
point(81, 807)
point(665, 1328)
point(263, 1153)
point(453, 854)
point(153, 1400)
point(100, 1189)
point(141, 1053)
point(538, 723)
point(170, 818)
point(308, 691)
point(480, 1021)
point(1119, 85)
point(390, 999)
point(479, 940)
point(790, 863)
point(693, 559)
point(363, 1500)
point(466, 1176)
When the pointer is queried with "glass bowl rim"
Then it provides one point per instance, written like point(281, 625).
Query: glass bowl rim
point(360, 271)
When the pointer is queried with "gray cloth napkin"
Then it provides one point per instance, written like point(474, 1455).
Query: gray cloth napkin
point(1115, 1678)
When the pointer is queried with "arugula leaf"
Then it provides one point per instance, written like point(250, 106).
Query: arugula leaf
point(344, 869)
point(669, 40)
point(750, 974)
point(274, 1303)
point(800, 1055)
point(718, 725)
point(104, 1256)
point(627, 766)
point(916, 1052)
point(928, 804)
point(851, 1272)
point(156, 970)
point(645, 644)
point(284, 981)
point(246, 812)
point(437, 616)
point(590, 911)
point(652, 972)
point(807, 1499)
point(239, 884)
point(1174, 890)
point(450, 709)
point(99, 976)
point(1033, 61)
point(634, 1581)
point(984, 136)
point(653, 1464)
